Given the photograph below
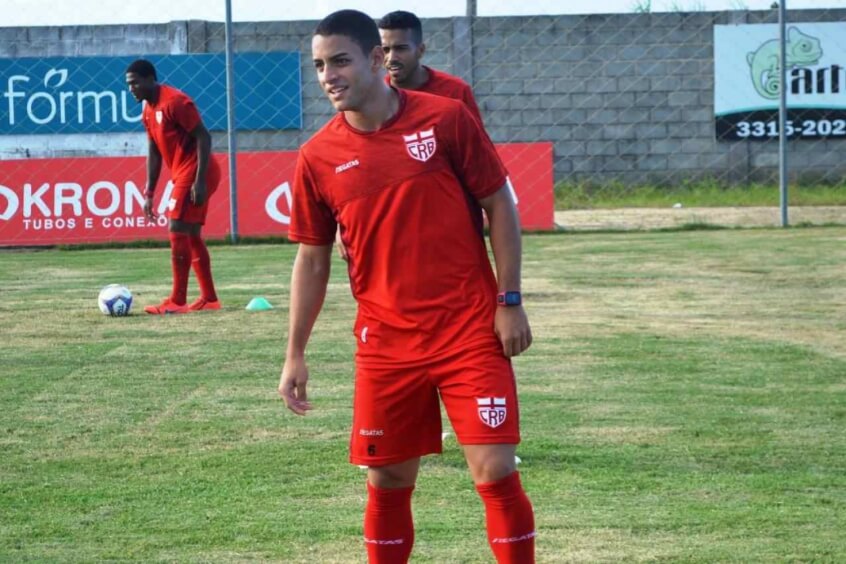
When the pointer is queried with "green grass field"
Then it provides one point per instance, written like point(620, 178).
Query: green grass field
point(703, 193)
point(685, 400)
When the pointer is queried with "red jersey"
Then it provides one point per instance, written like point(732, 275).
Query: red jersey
point(169, 123)
point(450, 86)
point(406, 199)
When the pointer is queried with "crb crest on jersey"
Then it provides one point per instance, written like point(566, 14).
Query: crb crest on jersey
point(159, 116)
point(492, 411)
point(421, 146)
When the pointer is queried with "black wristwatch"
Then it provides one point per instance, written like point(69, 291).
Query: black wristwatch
point(509, 299)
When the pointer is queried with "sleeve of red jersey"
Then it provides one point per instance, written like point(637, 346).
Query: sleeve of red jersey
point(312, 221)
point(185, 113)
point(470, 100)
point(473, 155)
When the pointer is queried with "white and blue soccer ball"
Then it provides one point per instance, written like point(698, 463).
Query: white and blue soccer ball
point(115, 300)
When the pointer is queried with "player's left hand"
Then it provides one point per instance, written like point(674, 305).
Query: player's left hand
point(512, 327)
point(149, 212)
point(339, 244)
point(292, 385)
point(198, 193)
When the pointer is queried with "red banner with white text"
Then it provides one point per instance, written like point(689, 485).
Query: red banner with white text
point(98, 200)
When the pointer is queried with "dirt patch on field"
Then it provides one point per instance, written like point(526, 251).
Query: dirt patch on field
point(654, 218)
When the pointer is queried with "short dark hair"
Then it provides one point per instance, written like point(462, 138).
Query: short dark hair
point(143, 68)
point(356, 25)
point(403, 20)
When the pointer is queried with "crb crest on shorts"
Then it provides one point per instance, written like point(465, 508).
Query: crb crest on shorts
point(421, 145)
point(492, 411)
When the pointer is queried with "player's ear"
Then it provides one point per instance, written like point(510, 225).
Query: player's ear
point(377, 58)
point(421, 50)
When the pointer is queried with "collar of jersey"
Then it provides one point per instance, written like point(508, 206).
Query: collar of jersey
point(402, 100)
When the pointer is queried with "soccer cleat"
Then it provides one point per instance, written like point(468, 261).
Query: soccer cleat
point(167, 307)
point(202, 304)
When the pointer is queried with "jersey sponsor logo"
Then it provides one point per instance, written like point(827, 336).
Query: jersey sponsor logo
point(492, 411)
point(346, 166)
point(371, 432)
point(159, 116)
point(421, 145)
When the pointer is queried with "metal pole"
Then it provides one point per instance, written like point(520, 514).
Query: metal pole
point(230, 127)
point(782, 111)
point(471, 8)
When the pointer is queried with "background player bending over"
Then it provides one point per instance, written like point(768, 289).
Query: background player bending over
point(176, 134)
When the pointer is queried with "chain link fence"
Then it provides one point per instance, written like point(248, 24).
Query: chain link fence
point(630, 120)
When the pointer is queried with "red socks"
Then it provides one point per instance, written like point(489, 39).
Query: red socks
point(180, 261)
point(388, 525)
point(202, 269)
point(389, 528)
point(510, 520)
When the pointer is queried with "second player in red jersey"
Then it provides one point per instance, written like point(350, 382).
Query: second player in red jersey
point(402, 41)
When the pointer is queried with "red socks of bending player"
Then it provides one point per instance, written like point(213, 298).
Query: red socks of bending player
point(202, 268)
point(388, 525)
point(180, 261)
point(510, 520)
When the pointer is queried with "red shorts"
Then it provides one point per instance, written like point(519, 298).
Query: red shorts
point(396, 414)
point(180, 206)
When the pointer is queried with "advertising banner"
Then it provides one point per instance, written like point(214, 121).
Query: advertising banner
point(98, 200)
point(89, 94)
point(747, 81)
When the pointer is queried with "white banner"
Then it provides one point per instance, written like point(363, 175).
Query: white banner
point(747, 80)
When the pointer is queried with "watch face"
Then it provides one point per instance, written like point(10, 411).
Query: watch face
point(509, 298)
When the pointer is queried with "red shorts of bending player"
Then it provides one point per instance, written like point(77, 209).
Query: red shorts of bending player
point(396, 413)
point(180, 206)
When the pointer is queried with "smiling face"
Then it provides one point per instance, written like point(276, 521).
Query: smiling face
point(402, 55)
point(346, 74)
point(141, 87)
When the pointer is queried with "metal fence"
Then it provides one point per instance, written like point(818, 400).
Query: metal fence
point(629, 103)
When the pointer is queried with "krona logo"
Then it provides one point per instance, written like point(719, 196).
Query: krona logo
point(70, 199)
point(104, 199)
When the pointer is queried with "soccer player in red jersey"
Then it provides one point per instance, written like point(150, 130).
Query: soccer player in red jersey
point(177, 136)
point(406, 175)
point(402, 42)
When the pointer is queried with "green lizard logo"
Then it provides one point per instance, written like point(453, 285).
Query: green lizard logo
point(801, 51)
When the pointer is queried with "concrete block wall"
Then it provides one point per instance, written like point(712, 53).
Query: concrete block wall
point(625, 97)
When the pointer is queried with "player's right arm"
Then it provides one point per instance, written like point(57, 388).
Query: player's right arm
point(309, 280)
point(154, 169)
